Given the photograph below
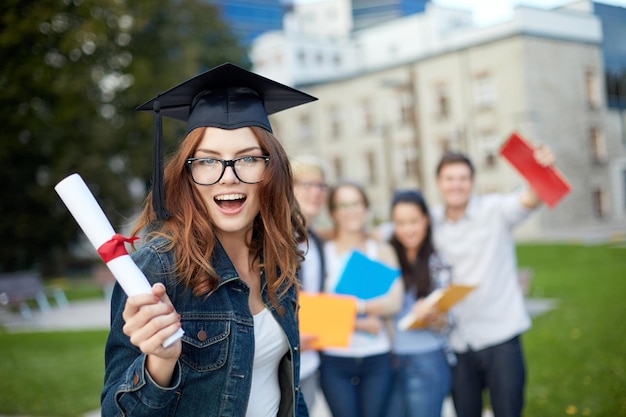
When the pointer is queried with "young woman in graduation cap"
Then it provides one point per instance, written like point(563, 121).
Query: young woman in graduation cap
point(221, 233)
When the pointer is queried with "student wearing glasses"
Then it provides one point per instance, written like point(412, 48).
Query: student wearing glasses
point(355, 379)
point(311, 193)
point(221, 229)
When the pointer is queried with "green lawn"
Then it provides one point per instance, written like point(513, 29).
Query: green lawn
point(51, 374)
point(575, 353)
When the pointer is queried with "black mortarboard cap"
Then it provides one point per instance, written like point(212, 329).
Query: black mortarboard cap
point(227, 97)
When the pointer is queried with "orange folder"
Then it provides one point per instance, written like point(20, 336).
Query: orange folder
point(330, 317)
point(547, 182)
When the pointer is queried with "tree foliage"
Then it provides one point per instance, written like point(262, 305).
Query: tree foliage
point(72, 74)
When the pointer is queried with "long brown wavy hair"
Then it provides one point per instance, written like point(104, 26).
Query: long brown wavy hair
point(277, 229)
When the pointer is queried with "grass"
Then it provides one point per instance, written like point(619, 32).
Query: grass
point(51, 374)
point(575, 353)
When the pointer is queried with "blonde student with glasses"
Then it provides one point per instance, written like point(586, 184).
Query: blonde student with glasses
point(221, 229)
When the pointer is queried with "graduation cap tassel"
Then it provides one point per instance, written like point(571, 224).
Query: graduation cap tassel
point(158, 188)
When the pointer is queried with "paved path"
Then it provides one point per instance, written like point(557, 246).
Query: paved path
point(94, 314)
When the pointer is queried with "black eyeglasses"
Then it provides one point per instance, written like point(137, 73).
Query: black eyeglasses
point(312, 185)
point(208, 171)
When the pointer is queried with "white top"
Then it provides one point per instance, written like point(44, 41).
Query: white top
point(362, 344)
point(270, 345)
point(481, 249)
point(311, 267)
point(311, 274)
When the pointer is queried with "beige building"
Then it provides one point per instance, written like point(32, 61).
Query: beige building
point(540, 75)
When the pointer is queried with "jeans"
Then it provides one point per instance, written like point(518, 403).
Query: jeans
point(421, 383)
point(356, 387)
point(498, 368)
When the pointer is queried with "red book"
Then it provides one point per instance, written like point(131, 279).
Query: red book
point(547, 182)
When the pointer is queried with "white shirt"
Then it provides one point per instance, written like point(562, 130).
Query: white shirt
point(362, 344)
point(481, 249)
point(270, 345)
point(311, 273)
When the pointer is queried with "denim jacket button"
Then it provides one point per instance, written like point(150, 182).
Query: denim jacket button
point(201, 335)
point(296, 348)
point(135, 379)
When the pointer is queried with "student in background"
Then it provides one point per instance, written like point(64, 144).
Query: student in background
point(475, 235)
point(422, 376)
point(311, 193)
point(355, 380)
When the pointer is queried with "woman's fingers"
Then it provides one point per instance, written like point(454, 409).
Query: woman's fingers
point(149, 320)
point(152, 343)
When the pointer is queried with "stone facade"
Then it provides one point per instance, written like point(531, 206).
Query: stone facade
point(386, 125)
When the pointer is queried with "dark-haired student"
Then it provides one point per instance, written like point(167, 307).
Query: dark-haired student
point(422, 374)
point(475, 235)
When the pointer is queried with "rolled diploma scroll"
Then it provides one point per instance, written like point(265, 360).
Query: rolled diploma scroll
point(94, 223)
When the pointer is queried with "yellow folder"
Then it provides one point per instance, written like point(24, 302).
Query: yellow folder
point(329, 317)
point(442, 298)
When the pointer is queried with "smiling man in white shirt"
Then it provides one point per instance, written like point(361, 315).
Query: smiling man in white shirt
point(475, 235)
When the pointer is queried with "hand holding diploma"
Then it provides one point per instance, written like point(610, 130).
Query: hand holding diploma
point(92, 220)
point(149, 318)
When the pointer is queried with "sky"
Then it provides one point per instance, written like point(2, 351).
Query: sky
point(487, 12)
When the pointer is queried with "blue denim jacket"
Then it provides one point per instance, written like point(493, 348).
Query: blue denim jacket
point(213, 374)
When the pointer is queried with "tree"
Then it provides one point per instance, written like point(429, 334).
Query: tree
point(72, 74)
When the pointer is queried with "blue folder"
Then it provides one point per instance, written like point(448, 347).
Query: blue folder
point(365, 278)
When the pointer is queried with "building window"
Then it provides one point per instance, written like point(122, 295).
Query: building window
point(445, 144)
point(407, 109)
point(484, 91)
point(489, 143)
point(334, 117)
point(338, 167)
point(616, 88)
point(301, 58)
point(490, 160)
point(598, 145)
point(600, 206)
point(305, 128)
point(592, 89)
point(442, 104)
point(410, 164)
point(367, 111)
point(370, 163)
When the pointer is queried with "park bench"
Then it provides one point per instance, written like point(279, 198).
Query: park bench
point(20, 289)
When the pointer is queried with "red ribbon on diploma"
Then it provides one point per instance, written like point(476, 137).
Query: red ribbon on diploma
point(114, 248)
